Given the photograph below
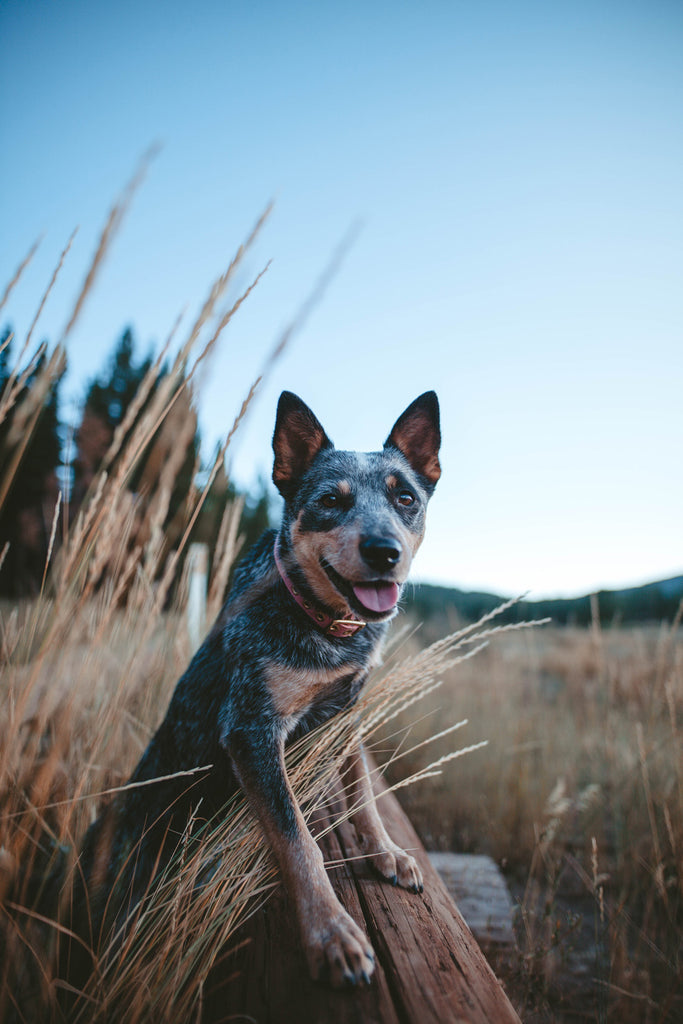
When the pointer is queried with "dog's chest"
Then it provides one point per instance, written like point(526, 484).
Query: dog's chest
point(297, 692)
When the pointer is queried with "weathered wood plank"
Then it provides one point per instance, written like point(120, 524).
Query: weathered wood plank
point(478, 888)
point(435, 967)
point(269, 980)
point(429, 968)
point(268, 977)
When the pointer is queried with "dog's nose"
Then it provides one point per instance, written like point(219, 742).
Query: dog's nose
point(380, 553)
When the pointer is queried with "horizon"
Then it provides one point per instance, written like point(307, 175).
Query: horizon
point(515, 173)
point(552, 596)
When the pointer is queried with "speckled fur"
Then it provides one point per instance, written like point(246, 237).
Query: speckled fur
point(266, 674)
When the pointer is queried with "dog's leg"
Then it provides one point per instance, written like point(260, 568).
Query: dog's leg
point(333, 942)
point(388, 859)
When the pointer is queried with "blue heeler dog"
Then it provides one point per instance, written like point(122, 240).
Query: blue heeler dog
point(302, 627)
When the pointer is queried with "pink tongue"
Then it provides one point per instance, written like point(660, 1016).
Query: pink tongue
point(377, 597)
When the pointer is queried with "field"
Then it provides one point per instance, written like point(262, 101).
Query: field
point(578, 794)
point(85, 684)
point(579, 797)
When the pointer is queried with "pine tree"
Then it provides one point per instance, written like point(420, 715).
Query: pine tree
point(106, 402)
point(29, 504)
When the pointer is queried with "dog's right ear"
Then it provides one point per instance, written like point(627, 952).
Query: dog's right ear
point(297, 439)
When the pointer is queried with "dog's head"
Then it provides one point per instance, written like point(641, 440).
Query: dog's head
point(354, 520)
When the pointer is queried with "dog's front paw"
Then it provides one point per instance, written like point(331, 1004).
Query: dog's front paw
point(394, 864)
point(337, 949)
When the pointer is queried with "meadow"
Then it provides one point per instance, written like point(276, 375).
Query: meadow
point(579, 797)
point(88, 664)
point(578, 794)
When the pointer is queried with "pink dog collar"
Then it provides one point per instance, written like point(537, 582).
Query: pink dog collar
point(324, 622)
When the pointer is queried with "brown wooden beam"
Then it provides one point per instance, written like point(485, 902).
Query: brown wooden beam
point(429, 968)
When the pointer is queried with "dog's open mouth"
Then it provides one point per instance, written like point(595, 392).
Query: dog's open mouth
point(375, 596)
point(378, 596)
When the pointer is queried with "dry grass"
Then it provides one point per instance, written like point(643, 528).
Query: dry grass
point(86, 672)
point(583, 774)
point(82, 711)
point(579, 796)
point(88, 668)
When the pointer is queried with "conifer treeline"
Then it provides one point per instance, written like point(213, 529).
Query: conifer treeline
point(48, 467)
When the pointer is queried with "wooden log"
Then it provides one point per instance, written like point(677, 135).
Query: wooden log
point(429, 967)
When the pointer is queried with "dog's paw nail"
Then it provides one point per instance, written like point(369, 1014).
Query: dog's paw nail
point(394, 879)
point(365, 977)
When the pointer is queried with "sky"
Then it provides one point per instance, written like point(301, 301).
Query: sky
point(509, 174)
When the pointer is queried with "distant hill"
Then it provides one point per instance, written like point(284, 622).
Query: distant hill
point(652, 602)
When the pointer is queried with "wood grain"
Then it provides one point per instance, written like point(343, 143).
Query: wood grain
point(429, 967)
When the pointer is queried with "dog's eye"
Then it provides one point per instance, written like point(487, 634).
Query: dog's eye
point(330, 500)
point(405, 498)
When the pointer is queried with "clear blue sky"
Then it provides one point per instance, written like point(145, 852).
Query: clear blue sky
point(518, 172)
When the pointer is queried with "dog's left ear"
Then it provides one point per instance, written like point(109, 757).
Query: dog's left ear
point(297, 439)
point(417, 435)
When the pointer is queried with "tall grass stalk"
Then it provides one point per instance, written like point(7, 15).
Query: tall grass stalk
point(87, 671)
point(194, 910)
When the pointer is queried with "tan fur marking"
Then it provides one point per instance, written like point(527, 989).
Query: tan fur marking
point(340, 547)
point(386, 856)
point(333, 942)
point(235, 607)
point(294, 690)
point(391, 482)
point(344, 487)
point(299, 858)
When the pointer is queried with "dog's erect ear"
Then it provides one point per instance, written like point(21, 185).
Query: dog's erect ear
point(297, 439)
point(417, 435)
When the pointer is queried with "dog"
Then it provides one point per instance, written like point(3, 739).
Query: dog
point(302, 627)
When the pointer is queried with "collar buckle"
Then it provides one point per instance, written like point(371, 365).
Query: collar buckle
point(345, 627)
